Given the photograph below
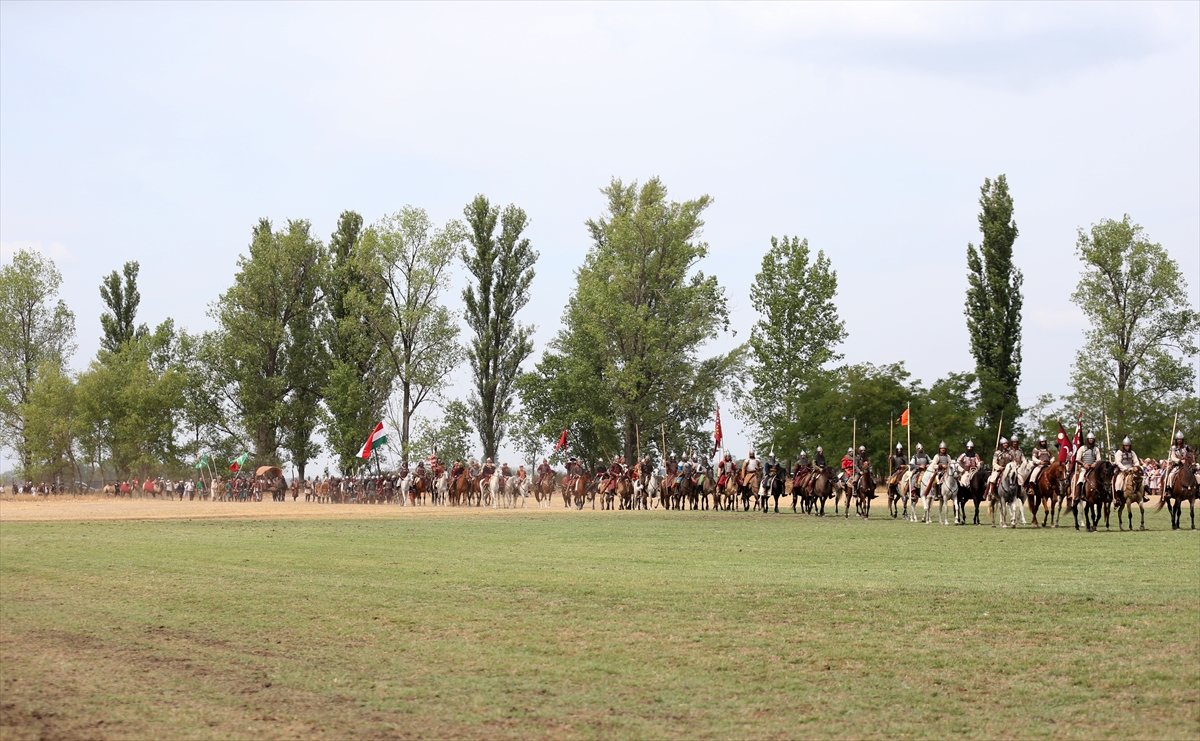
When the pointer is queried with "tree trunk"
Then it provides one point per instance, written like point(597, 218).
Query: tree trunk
point(405, 414)
point(631, 451)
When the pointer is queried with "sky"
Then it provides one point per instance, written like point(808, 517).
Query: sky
point(161, 132)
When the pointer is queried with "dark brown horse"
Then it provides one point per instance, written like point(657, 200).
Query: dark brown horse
point(1045, 491)
point(575, 489)
point(1183, 486)
point(972, 491)
point(1096, 489)
point(864, 491)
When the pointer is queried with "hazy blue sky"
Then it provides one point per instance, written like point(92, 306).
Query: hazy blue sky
point(162, 132)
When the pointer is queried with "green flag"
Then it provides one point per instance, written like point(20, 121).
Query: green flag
point(237, 463)
point(202, 462)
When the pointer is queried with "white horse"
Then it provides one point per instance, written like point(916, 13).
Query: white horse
point(908, 481)
point(489, 491)
point(441, 488)
point(516, 489)
point(653, 490)
point(945, 494)
point(403, 488)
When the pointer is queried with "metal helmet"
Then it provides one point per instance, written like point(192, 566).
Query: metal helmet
point(751, 454)
point(942, 445)
point(1041, 438)
point(1179, 435)
point(899, 446)
point(1004, 441)
point(1013, 438)
point(803, 453)
point(862, 448)
point(849, 451)
point(970, 444)
point(1127, 441)
point(1091, 436)
point(920, 446)
point(820, 449)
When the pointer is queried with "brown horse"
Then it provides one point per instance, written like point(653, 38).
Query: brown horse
point(1095, 490)
point(864, 491)
point(1045, 491)
point(1128, 495)
point(1183, 486)
point(575, 489)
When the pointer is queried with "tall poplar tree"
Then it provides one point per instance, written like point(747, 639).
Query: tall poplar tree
point(121, 300)
point(360, 374)
point(502, 270)
point(993, 306)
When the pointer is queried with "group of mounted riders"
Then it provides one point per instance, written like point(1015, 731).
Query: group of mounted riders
point(1042, 478)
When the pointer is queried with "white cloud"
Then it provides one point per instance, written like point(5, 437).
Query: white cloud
point(54, 250)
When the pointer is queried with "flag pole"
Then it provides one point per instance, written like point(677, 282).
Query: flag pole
point(663, 453)
point(999, 426)
point(909, 426)
point(854, 439)
point(891, 426)
point(1107, 433)
point(637, 431)
point(1172, 440)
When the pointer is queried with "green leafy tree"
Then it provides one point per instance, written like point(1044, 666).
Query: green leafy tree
point(795, 337)
point(36, 329)
point(129, 403)
point(627, 361)
point(993, 305)
point(121, 300)
point(502, 270)
point(266, 340)
point(448, 433)
point(360, 371)
point(53, 426)
point(949, 410)
point(1137, 363)
point(407, 262)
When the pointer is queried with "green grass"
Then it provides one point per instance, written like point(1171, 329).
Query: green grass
point(643, 625)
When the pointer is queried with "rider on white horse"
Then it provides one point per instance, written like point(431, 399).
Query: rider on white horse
point(968, 462)
point(1127, 461)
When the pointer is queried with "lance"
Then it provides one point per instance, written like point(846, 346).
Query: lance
point(909, 426)
point(891, 425)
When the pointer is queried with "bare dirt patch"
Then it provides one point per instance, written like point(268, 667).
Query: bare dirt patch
point(65, 508)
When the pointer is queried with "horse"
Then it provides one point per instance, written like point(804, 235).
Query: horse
point(1094, 490)
point(946, 493)
point(707, 488)
point(841, 491)
point(895, 497)
point(1045, 491)
point(460, 489)
point(543, 489)
point(1009, 495)
point(973, 490)
point(1128, 495)
point(645, 490)
point(822, 489)
point(151, 487)
point(574, 490)
point(1183, 486)
point(772, 486)
point(748, 487)
point(864, 492)
point(909, 491)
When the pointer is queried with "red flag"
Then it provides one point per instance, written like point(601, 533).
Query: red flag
point(1064, 445)
point(904, 418)
point(562, 441)
point(717, 436)
point(1078, 435)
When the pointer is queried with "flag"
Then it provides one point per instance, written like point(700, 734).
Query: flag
point(1078, 435)
point(717, 436)
point(562, 441)
point(378, 437)
point(1064, 445)
point(202, 462)
point(904, 418)
point(235, 464)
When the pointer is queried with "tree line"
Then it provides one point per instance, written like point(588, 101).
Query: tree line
point(321, 339)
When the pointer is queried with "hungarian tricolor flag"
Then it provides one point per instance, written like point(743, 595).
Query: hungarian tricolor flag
point(717, 436)
point(562, 441)
point(904, 418)
point(236, 464)
point(377, 438)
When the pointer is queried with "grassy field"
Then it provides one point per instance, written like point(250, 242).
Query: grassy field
point(644, 625)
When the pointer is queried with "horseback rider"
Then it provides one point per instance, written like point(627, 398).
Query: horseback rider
point(485, 476)
point(505, 474)
point(435, 465)
point(473, 469)
point(615, 470)
point(672, 471)
point(1087, 456)
point(645, 468)
point(916, 467)
point(848, 464)
point(1177, 457)
point(941, 463)
point(724, 470)
point(819, 458)
point(1127, 462)
point(456, 471)
point(1041, 457)
point(1000, 460)
point(573, 468)
point(899, 465)
point(861, 464)
point(749, 468)
point(544, 470)
point(1018, 455)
